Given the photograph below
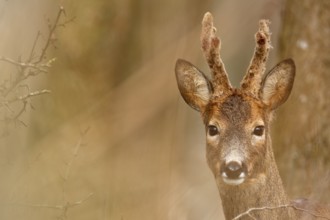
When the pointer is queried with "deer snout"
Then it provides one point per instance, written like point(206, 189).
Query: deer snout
point(233, 172)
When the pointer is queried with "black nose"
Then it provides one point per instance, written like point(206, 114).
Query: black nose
point(233, 169)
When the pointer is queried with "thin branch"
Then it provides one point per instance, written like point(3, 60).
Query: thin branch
point(14, 83)
point(267, 208)
point(67, 175)
point(67, 22)
point(64, 208)
point(35, 64)
point(60, 207)
point(50, 34)
point(27, 69)
point(21, 111)
point(34, 46)
point(75, 154)
point(31, 94)
point(24, 97)
point(30, 65)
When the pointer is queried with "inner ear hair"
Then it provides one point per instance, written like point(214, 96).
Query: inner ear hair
point(277, 84)
point(195, 88)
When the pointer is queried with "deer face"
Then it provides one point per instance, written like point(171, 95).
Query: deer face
point(236, 121)
point(236, 137)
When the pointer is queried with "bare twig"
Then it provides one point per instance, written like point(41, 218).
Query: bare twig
point(64, 207)
point(29, 95)
point(34, 47)
point(67, 22)
point(75, 154)
point(66, 204)
point(67, 175)
point(30, 65)
point(50, 34)
point(34, 65)
point(268, 208)
point(23, 98)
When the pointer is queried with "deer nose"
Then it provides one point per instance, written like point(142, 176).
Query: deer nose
point(233, 172)
point(233, 169)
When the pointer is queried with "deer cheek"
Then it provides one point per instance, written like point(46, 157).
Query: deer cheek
point(257, 155)
point(213, 158)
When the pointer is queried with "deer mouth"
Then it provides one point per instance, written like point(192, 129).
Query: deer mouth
point(233, 173)
point(235, 181)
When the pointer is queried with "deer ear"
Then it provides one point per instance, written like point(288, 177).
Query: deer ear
point(276, 86)
point(194, 86)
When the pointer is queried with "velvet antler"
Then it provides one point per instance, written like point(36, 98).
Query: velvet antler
point(211, 48)
point(252, 80)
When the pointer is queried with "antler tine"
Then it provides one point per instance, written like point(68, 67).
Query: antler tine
point(211, 48)
point(253, 77)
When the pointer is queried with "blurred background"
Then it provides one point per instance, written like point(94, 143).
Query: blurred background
point(114, 139)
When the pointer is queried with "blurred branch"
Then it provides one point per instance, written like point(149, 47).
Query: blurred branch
point(64, 208)
point(31, 65)
point(66, 204)
point(25, 70)
point(25, 97)
point(34, 46)
point(24, 100)
point(268, 208)
point(52, 29)
point(75, 154)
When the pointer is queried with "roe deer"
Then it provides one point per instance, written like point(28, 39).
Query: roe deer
point(237, 120)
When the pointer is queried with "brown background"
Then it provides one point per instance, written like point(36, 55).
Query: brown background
point(143, 156)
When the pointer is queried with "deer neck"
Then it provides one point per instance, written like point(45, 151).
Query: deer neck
point(265, 190)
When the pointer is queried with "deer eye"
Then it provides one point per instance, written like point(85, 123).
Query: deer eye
point(212, 130)
point(259, 130)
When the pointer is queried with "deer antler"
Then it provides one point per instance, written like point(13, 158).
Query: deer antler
point(253, 77)
point(211, 48)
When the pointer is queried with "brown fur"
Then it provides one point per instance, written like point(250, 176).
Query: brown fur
point(311, 210)
point(236, 114)
point(257, 66)
point(211, 48)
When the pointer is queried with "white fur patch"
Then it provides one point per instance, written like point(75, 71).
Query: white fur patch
point(233, 182)
point(269, 89)
point(202, 90)
point(234, 152)
point(234, 156)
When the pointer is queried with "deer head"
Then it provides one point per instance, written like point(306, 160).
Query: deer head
point(236, 119)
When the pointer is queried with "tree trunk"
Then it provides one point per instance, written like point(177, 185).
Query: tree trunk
point(302, 131)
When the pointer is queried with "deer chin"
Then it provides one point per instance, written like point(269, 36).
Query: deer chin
point(233, 182)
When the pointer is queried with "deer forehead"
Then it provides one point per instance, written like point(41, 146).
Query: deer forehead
point(235, 109)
